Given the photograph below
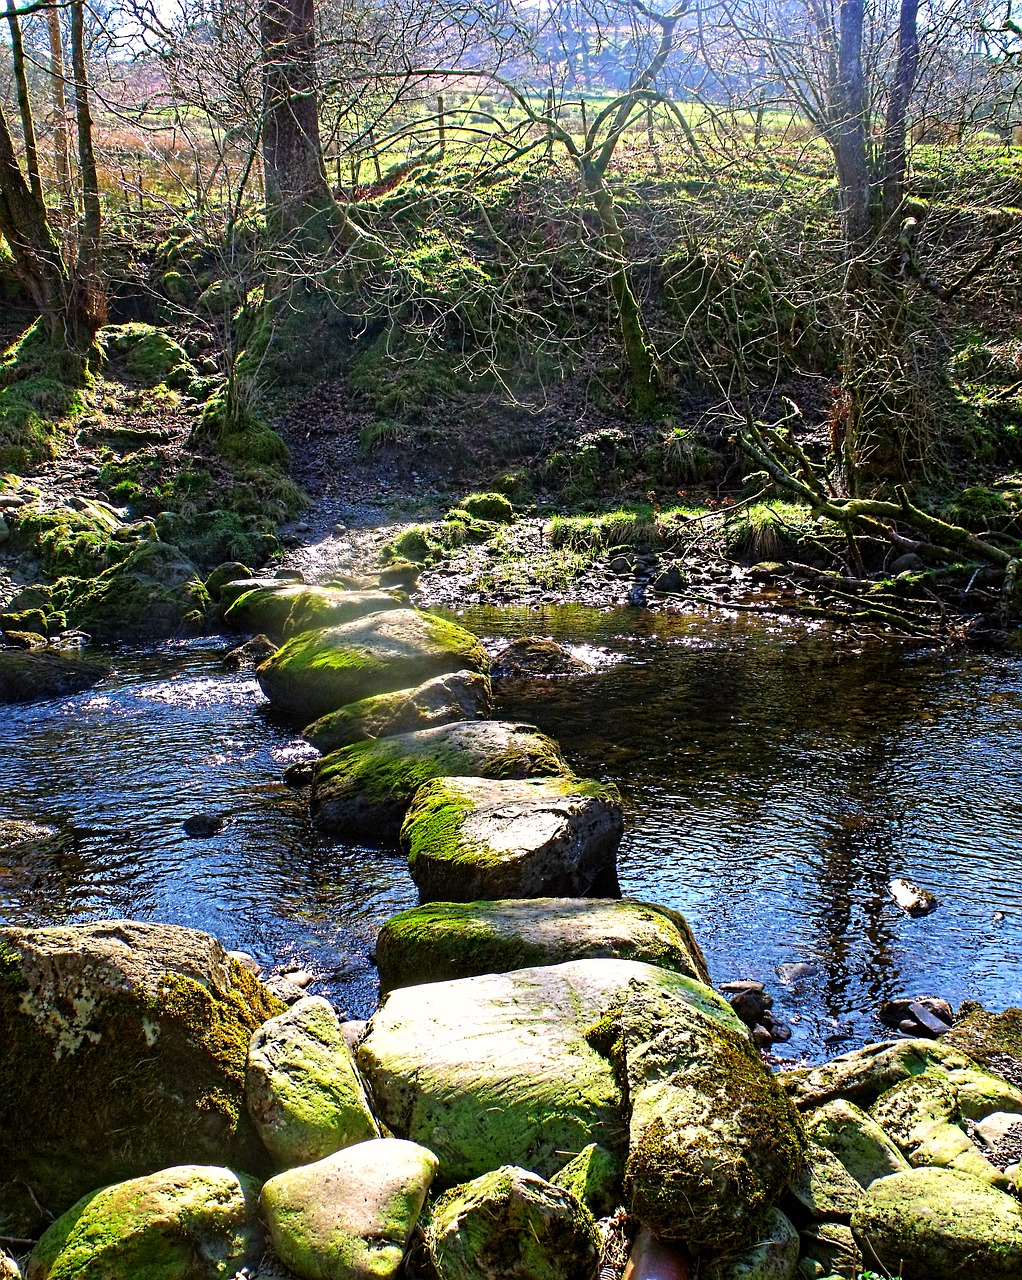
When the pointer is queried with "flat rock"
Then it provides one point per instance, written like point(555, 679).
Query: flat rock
point(192, 1222)
point(34, 675)
point(320, 671)
point(470, 838)
point(282, 609)
point(350, 1216)
point(445, 940)
point(511, 1225)
point(364, 791)
point(461, 695)
point(938, 1224)
point(302, 1087)
point(518, 1068)
point(141, 1032)
point(857, 1140)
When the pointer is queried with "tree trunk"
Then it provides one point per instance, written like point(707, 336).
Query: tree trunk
point(298, 198)
point(88, 308)
point(61, 141)
point(894, 157)
point(850, 129)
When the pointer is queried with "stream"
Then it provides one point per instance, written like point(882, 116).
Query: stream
point(774, 781)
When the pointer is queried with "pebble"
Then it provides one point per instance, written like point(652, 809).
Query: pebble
point(789, 973)
point(247, 961)
point(912, 899)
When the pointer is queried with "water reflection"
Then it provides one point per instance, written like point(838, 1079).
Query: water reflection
point(774, 782)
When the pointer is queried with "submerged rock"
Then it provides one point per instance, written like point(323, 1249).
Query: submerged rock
point(511, 1225)
point(462, 695)
point(302, 1087)
point(283, 609)
point(21, 839)
point(517, 1068)
point(250, 654)
point(531, 657)
point(938, 1224)
point(365, 790)
point(193, 1222)
point(350, 1216)
point(444, 940)
point(31, 675)
point(472, 838)
point(123, 1052)
point(318, 672)
point(857, 1140)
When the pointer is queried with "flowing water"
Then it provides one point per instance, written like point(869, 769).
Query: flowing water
point(774, 782)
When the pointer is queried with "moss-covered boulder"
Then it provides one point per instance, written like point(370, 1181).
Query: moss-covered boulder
point(518, 1068)
point(364, 791)
point(302, 1087)
point(774, 1256)
point(864, 1074)
point(939, 1224)
point(469, 838)
point(123, 1052)
point(284, 608)
point(488, 506)
point(193, 1222)
point(713, 1142)
point(444, 940)
point(462, 695)
point(350, 1216)
point(535, 657)
point(317, 672)
point(825, 1190)
point(594, 1178)
point(857, 1141)
point(924, 1119)
point(994, 1040)
point(152, 592)
point(34, 675)
point(511, 1225)
point(829, 1252)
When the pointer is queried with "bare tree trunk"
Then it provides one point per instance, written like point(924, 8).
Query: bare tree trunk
point(893, 157)
point(24, 104)
point(298, 195)
point(89, 308)
point(850, 128)
point(61, 141)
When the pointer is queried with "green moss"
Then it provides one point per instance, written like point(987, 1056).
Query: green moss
point(415, 544)
point(594, 1178)
point(489, 506)
point(150, 355)
point(43, 388)
point(994, 1040)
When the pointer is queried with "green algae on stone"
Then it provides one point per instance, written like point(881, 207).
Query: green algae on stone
point(472, 838)
point(317, 672)
point(773, 1256)
point(939, 1224)
point(351, 1215)
point(511, 1225)
point(303, 1091)
point(142, 1032)
point(714, 1142)
point(825, 1189)
point(461, 695)
point(857, 1140)
point(594, 1178)
point(994, 1040)
point(829, 1250)
point(445, 940)
point(923, 1118)
point(290, 608)
point(192, 1222)
point(864, 1074)
point(365, 790)
point(488, 506)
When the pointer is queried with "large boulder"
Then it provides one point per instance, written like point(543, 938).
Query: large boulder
point(857, 1141)
point(939, 1224)
point(123, 1052)
point(594, 1178)
point(518, 1068)
point(350, 1216)
point(511, 1225)
point(444, 940)
point(193, 1222)
point(994, 1040)
point(364, 791)
point(462, 695)
point(319, 671)
point(281, 608)
point(32, 675)
point(302, 1087)
point(470, 838)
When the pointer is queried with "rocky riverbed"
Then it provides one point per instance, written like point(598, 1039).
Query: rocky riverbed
point(550, 1084)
